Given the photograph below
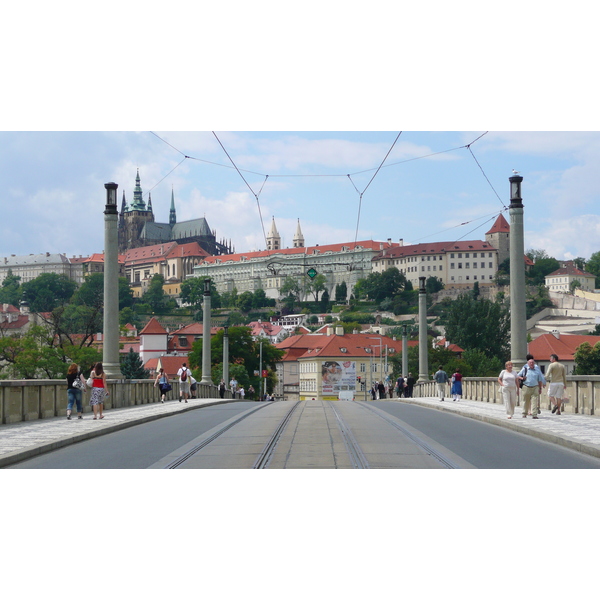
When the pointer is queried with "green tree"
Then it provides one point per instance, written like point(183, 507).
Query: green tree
point(593, 266)
point(47, 291)
point(433, 285)
point(155, 295)
point(316, 285)
point(587, 359)
point(324, 302)
point(341, 292)
point(543, 265)
point(574, 285)
point(479, 324)
point(244, 302)
point(128, 315)
point(132, 366)
point(378, 286)
point(10, 292)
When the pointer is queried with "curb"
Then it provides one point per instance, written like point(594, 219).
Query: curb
point(20, 455)
point(565, 441)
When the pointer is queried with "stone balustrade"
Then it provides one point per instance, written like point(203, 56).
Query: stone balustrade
point(583, 392)
point(31, 399)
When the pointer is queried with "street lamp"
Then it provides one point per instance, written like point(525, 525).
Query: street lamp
point(404, 350)
point(423, 349)
point(518, 319)
point(226, 355)
point(110, 347)
point(206, 378)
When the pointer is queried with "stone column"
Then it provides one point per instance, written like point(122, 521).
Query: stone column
point(110, 343)
point(404, 352)
point(423, 343)
point(226, 355)
point(206, 378)
point(518, 321)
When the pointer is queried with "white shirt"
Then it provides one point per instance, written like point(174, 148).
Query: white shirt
point(508, 379)
point(180, 373)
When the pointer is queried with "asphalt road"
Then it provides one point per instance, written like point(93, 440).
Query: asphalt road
point(482, 445)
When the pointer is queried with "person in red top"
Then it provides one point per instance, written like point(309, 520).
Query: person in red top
point(98, 390)
point(456, 390)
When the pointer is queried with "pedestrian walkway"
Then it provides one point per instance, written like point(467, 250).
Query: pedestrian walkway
point(574, 431)
point(26, 439)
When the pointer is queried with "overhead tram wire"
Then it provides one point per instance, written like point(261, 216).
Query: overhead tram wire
point(249, 187)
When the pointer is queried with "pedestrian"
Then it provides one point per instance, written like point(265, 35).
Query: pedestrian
point(233, 386)
point(509, 388)
point(75, 387)
point(222, 388)
point(410, 384)
point(556, 376)
point(99, 391)
point(250, 393)
point(441, 378)
point(400, 386)
point(456, 389)
point(242, 392)
point(184, 375)
point(381, 390)
point(193, 386)
point(533, 381)
point(374, 391)
point(162, 381)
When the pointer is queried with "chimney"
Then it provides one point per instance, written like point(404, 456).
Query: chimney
point(339, 330)
point(401, 242)
point(329, 330)
point(556, 333)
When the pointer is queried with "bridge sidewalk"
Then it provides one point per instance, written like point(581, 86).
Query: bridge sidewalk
point(26, 439)
point(575, 431)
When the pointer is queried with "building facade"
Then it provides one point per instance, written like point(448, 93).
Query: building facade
point(561, 279)
point(268, 269)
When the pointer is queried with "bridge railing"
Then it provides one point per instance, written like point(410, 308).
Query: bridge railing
point(31, 399)
point(583, 392)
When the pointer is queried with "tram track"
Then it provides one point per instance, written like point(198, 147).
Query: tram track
point(355, 452)
point(187, 455)
point(440, 457)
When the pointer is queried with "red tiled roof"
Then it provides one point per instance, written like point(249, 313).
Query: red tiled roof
point(99, 258)
point(500, 225)
point(195, 329)
point(147, 254)
point(19, 322)
point(570, 270)
point(153, 327)
point(308, 250)
point(9, 309)
point(433, 248)
point(189, 249)
point(171, 364)
point(564, 347)
point(135, 346)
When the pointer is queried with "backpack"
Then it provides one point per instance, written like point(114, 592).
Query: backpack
point(184, 375)
point(521, 382)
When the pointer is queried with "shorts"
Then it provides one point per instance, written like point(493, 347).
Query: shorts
point(184, 387)
point(556, 390)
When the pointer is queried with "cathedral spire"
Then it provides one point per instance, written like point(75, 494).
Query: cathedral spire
point(298, 237)
point(172, 213)
point(273, 238)
point(138, 201)
point(149, 202)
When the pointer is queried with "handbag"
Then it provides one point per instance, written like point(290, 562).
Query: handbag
point(90, 382)
point(78, 384)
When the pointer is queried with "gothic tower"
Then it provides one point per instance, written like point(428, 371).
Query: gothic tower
point(499, 237)
point(133, 218)
point(298, 237)
point(172, 213)
point(273, 238)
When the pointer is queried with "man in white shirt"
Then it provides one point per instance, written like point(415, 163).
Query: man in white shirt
point(184, 375)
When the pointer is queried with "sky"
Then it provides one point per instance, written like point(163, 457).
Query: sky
point(342, 186)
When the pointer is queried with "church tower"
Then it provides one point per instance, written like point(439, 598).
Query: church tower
point(273, 238)
point(172, 213)
point(499, 237)
point(298, 237)
point(133, 218)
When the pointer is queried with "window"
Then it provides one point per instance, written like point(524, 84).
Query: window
point(460, 255)
point(483, 255)
point(483, 265)
point(460, 265)
point(422, 268)
point(434, 267)
point(467, 265)
point(466, 255)
point(474, 276)
point(452, 255)
point(440, 267)
point(489, 255)
point(452, 265)
point(467, 278)
point(182, 340)
point(363, 367)
point(490, 265)
point(428, 267)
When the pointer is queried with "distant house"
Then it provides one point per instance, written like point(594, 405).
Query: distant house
point(322, 365)
point(266, 330)
point(563, 345)
point(561, 279)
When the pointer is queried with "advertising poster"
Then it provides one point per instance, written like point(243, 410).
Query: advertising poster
point(338, 375)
